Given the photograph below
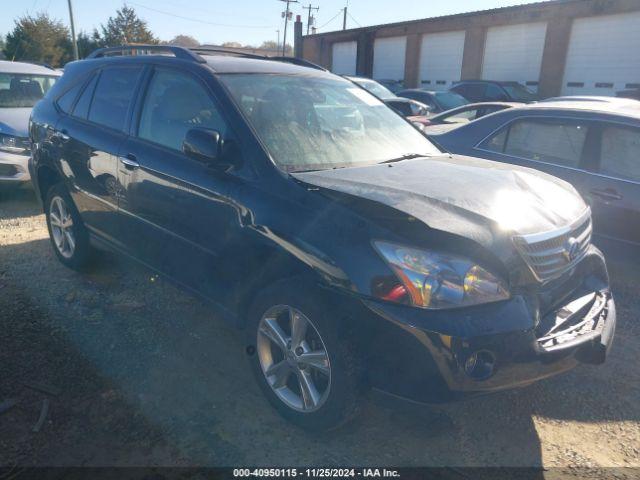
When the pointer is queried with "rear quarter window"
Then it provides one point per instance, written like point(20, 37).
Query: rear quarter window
point(66, 101)
point(81, 109)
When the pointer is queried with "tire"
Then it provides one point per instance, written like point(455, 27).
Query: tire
point(69, 237)
point(337, 381)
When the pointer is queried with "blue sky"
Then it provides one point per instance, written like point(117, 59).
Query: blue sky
point(245, 21)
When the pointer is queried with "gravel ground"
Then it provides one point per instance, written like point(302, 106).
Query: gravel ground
point(137, 372)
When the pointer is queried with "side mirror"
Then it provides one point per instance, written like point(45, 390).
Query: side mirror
point(203, 145)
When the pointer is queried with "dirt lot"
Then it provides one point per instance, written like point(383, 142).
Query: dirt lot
point(139, 373)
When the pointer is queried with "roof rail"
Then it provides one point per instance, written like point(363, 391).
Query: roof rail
point(192, 54)
point(275, 58)
point(178, 52)
point(229, 52)
point(296, 61)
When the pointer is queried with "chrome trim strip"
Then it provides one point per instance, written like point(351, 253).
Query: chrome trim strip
point(541, 237)
point(547, 263)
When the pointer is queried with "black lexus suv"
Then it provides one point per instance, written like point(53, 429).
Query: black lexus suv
point(350, 251)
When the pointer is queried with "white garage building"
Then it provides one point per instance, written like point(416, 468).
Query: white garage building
point(603, 55)
point(583, 47)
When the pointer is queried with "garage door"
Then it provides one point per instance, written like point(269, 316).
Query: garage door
point(344, 55)
point(441, 59)
point(603, 55)
point(514, 52)
point(388, 58)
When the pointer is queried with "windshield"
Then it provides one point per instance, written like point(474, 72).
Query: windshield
point(450, 100)
point(23, 90)
point(311, 123)
point(378, 90)
point(520, 93)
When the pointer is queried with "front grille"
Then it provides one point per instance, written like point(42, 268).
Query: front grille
point(551, 254)
point(7, 170)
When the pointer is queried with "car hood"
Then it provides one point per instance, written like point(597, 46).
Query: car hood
point(15, 121)
point(465, 196)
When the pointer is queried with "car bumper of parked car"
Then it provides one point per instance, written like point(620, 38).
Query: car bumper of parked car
point(434, 356)
point(14, 168)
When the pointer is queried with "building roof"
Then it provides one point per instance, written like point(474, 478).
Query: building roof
point(27, 68)
point(491, 11)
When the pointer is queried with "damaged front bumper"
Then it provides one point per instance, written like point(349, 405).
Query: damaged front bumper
point(440, 355)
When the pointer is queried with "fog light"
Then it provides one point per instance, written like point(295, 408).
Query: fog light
point(480, 365)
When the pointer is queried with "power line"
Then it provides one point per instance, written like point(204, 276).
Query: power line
point(207, 11)
point(351, 17)
point(336, 16)
point(198, 20)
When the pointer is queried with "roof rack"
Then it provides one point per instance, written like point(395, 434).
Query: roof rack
point(227, 51)
point(178, 52)
point(192, 54)
point(297, 61)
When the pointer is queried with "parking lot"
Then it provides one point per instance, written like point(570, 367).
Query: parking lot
point(139, 373)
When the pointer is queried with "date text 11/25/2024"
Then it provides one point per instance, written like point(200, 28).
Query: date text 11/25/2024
point(316, 472)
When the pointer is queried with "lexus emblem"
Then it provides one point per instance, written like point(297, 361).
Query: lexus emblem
point(571, 249)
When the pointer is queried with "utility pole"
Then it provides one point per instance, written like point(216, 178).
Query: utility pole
point(278, 42)
point(344, 19)
point(310, 17)
point(73, 33)
point(286, 15)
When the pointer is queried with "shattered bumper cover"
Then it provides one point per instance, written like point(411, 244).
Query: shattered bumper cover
point(440, 355)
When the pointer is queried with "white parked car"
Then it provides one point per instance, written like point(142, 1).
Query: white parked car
point(21, 86)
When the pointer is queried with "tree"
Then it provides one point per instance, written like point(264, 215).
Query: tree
point(2, 45)
point(184, 41)
point(126, 28)
point(271, 45)
point(39, 39)
point(232, 45)
point(88, 43)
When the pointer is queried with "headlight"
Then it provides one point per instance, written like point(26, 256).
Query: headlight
point(11, 144)
point(437, 280)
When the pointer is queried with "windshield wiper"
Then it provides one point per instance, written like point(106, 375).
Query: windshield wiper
point(406, 156)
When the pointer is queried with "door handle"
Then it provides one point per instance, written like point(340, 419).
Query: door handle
point(129, 162)
point(606, 194)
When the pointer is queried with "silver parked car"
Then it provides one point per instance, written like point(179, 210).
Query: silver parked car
point(21, 86)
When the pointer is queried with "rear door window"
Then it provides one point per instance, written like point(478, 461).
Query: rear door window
point(620, 153)
point(472, 91)
point(549, 141)
point(495, 93)
point(112, 96)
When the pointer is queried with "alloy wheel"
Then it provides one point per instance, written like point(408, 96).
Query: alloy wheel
point(62, 227)
point(294, 358)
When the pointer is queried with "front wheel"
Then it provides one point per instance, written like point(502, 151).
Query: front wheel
point(304, 365)
point(68, 234)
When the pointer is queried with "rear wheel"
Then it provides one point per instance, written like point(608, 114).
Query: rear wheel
point(68, 234)
point(302, 362)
